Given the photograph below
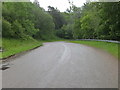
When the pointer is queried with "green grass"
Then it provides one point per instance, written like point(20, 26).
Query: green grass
point(14, 46)
point(111, 48)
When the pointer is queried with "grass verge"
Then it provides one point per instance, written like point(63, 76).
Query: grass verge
point(14, 46)
point(111, 48)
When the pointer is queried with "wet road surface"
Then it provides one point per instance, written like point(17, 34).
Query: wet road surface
point(62, 65)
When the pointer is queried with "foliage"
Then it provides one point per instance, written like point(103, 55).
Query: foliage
point(99, 21)
point(29, 28)
point(94, 20)
point(26, 20)
point(57, 17)
point(6, 26)
point(67, 31)
point(18, 30)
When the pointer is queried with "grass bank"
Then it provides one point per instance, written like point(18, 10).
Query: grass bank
point(14, 46)
point(111, 48)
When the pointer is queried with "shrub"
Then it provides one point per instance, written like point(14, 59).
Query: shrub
point(6, 28)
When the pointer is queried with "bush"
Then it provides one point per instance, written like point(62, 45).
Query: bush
point(18, 30)
point(6, 28)
point(29, 28)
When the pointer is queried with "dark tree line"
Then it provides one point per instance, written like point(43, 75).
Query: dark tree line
point(95, 20)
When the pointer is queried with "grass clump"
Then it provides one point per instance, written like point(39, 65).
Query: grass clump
point(14, 46)
point(111, 48)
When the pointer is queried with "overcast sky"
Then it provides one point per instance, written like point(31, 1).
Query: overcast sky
point(62, 5)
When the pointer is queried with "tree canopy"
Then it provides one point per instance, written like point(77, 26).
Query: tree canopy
point(94, 20)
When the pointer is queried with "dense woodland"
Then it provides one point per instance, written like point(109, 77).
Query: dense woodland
point(27, 20)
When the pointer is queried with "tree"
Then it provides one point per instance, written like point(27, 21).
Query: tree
point(27, 20)
point(6, 26)
point(57, 17)
point(36, 2)
point(98, 20)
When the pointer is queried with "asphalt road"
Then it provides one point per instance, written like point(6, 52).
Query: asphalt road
point(62, 65)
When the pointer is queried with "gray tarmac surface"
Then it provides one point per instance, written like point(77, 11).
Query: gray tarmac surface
point(62, 65)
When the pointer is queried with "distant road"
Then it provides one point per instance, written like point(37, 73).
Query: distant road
point(62, 65)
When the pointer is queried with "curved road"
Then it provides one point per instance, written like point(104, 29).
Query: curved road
point(62, 65)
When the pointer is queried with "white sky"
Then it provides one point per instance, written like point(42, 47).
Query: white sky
point(62, 5)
